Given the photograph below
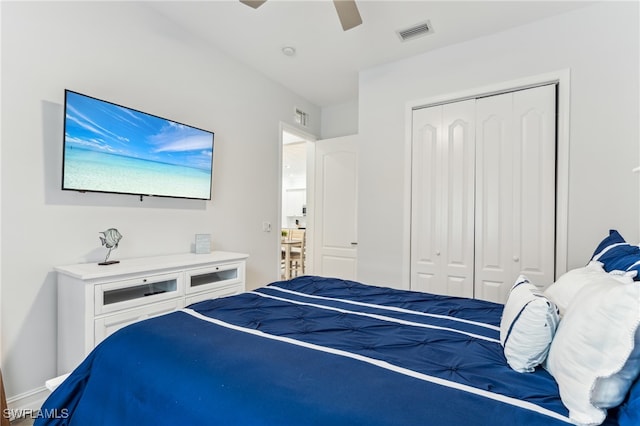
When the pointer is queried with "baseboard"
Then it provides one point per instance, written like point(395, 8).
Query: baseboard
point(28, 403)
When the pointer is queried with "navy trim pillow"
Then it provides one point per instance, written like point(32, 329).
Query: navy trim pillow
point(616, 254)
point(613, 238)
point(618, 257)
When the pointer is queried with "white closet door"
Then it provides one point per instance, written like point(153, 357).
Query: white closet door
point(535, 125)
point(494, 196)
point(425, 184)
point(515, 190)
point(442, 217)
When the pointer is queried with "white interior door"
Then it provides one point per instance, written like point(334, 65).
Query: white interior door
point(335, 208)
point(515, 190)
point(442, 219)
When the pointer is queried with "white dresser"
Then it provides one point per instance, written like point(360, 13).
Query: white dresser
point(95, 301)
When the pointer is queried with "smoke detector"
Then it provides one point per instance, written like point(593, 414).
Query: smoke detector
point(289, 50)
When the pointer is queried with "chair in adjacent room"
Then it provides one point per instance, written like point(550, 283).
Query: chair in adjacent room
point(298, 252)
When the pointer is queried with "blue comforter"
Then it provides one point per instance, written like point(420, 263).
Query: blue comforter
point(309, 351)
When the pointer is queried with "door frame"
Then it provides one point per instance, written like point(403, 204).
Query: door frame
point(284, 127)
point(563, 80)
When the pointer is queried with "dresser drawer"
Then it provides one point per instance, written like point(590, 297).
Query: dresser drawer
point(213, 277)
point(120, 295)
point(109, 324)
point(223, 291)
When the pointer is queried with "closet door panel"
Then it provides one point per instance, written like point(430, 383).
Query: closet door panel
point(459, 286)
point(428, 283)
point(426, 183)
point(494, 196)
point(491, 290)
point(442, 199)
point(534, 120)
point(515, 191)
point(458, 196)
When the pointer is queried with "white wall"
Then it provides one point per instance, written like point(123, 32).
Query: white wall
point(339, 120)
point(122, 53)
point(600, 45)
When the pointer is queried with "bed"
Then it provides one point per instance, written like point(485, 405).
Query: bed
point(325, 351)
point(311, 350)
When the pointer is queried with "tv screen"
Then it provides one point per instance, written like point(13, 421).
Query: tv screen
point(111, 148)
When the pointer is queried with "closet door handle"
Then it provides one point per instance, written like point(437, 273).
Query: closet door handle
point(516, 259)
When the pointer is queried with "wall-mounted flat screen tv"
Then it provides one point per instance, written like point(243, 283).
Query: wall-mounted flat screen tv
point(114, 149)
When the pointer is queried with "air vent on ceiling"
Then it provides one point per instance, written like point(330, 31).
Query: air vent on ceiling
point(415, 31)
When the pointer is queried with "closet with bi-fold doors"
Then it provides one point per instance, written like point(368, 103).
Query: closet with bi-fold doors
point(483, 193)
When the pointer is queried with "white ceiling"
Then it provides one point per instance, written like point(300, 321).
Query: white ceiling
point(325, 67)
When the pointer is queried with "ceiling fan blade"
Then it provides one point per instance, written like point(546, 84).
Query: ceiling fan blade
point(253, 3)
point(348, 13)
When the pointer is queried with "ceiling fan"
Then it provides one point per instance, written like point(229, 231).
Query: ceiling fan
point(347, 11)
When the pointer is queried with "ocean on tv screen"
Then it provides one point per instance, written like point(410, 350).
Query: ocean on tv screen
point(96, 171)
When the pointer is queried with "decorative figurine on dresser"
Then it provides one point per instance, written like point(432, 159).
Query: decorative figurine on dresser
point(110, 239)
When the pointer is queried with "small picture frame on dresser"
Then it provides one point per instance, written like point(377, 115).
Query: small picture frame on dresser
point(203, 243)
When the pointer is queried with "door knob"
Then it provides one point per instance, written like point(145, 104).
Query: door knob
point(516, 258)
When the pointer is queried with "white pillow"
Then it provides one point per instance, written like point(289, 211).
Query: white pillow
point(527, 326)
point(595, 354)
point(565, 289)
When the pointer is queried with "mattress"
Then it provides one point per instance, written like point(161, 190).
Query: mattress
point(311, 350)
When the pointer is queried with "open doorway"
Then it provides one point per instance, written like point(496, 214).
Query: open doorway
point(296, 193)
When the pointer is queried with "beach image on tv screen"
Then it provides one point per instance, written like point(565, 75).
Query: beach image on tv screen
point(110, 148)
